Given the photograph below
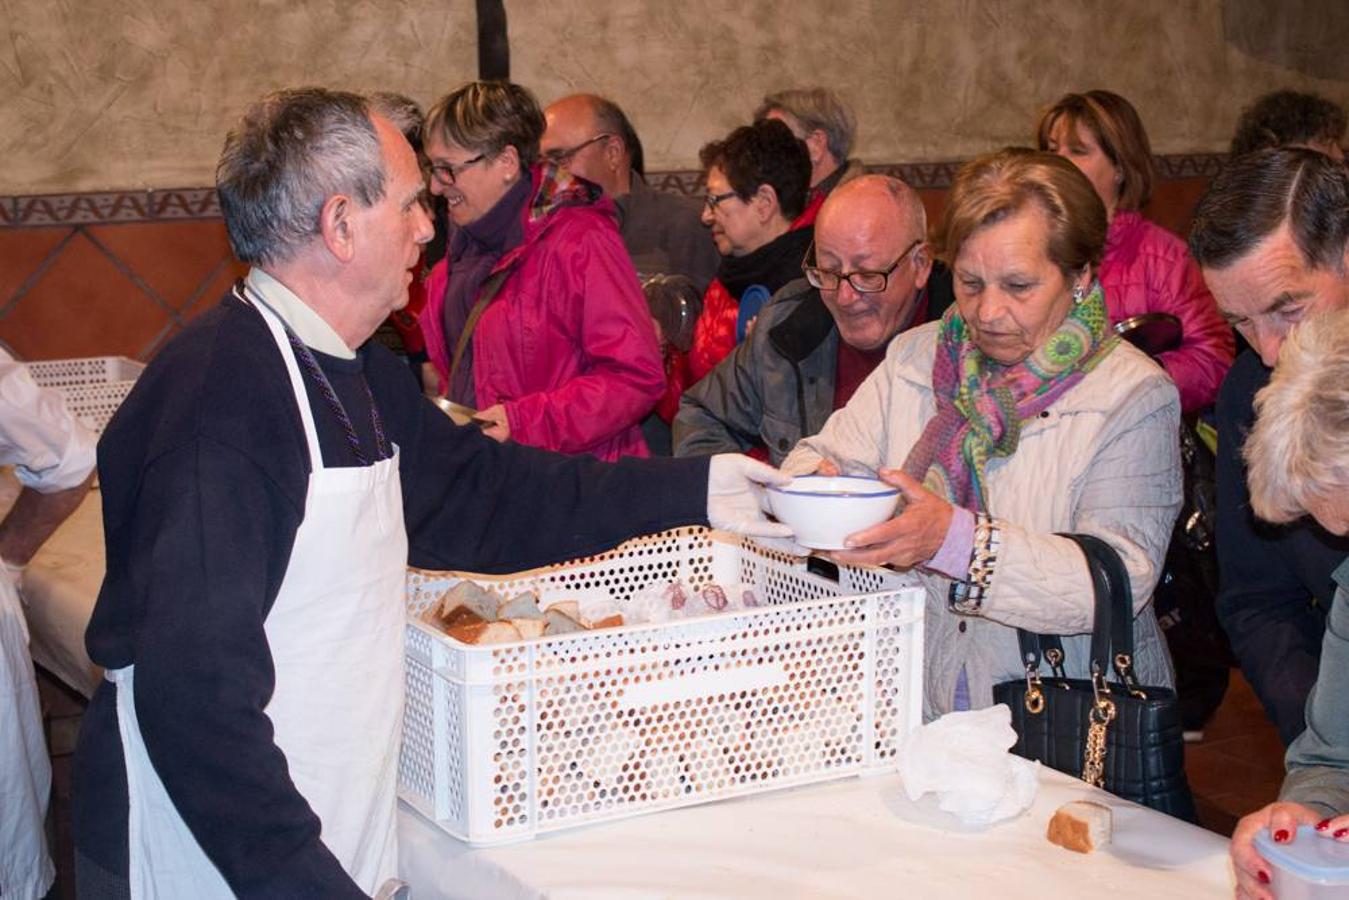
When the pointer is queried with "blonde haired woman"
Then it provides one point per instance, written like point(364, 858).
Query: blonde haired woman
point(1298, 464)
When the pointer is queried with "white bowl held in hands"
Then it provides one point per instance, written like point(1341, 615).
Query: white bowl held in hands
point(825, 509)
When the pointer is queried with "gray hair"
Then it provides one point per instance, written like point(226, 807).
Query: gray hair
point(290, 152)
point(817, 109)
point(1299, 447)
point(405, 114)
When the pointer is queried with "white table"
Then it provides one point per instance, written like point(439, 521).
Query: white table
point(851, 838)
point(846, 839)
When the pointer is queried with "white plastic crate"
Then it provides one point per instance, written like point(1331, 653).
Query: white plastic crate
point(93, 387)
point(504, 742)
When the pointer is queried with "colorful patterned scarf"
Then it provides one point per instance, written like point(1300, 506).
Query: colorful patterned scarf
point(981, 405)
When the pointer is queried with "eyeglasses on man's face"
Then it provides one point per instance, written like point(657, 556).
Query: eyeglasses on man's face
point(864, 282)
point(560, 157)
point(447, 173)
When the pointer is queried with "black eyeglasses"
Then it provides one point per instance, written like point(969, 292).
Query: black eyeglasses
point(862, 282)
point(562, 157)
point(447, 173)
point(714, 200)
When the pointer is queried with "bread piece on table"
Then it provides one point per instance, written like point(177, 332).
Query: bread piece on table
point(482, 602)
point(485, 633)
point(558, 622)
point(529, 628)
point(521, 606)
point(614, 621)
point(1081, 826)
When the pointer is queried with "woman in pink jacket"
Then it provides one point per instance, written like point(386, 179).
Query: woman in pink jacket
point(1146, 268)
point(535, 317)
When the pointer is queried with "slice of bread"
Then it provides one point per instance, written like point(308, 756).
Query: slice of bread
point(1081, 826)
point(529, 628)
point(558, 622)
point(485, 633)
point(521, 606)
point(484, 603)
point(459, 615)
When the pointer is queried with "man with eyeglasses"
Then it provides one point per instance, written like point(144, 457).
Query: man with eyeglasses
point(868, 277)
point(591, 137)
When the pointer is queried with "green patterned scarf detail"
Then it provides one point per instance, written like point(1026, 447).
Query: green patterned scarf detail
point(981, 405)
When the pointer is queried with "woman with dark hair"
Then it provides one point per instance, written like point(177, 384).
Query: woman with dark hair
point(1015, 419)
point(535, 317)
point(757, 180)
point(1145, 269)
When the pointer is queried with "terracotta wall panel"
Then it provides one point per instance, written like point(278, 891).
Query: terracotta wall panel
point(83, 305)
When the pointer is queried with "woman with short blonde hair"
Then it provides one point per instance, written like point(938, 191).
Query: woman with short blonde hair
point(1297, 459)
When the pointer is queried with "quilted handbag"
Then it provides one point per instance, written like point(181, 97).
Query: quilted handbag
point(1115, 734)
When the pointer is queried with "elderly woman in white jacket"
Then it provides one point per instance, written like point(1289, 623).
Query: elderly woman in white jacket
point(1016, 417)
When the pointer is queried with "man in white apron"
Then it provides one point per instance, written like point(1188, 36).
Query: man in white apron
point(264, 488)
point(53, 459)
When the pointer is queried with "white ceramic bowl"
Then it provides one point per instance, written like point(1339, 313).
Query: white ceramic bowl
point(823, 509)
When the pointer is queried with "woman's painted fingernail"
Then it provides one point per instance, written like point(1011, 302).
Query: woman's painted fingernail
point(1323, 825)
point(1264, 876)
point(1281, 836)
point(1341, 832)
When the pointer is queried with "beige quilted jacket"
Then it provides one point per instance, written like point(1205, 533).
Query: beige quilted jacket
point(1104, 459)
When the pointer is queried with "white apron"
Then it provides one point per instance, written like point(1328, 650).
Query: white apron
point(336, 639)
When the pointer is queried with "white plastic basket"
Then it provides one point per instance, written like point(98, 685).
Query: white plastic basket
point(504, 742)
point(93, 387)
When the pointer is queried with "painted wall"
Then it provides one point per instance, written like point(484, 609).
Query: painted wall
point(120, 94)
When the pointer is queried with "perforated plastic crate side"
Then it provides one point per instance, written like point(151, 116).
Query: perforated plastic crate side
point(84, 370)
point(529, 776)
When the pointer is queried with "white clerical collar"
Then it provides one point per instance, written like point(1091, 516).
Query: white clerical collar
point(308, 325)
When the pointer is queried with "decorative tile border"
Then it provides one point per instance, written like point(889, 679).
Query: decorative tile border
point(45, 210)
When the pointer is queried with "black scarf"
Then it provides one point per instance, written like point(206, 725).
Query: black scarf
point(772, 265)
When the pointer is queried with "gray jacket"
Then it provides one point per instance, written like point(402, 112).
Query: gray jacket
point(1318, 761)
point(776, 388)
point(1103, 459)
point(778, 385)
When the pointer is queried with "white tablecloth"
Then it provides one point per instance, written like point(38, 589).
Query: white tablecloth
point(847, 839)
point(852, 838)
point(60, 587)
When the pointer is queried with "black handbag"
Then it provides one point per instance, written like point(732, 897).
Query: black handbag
point(1118, 735)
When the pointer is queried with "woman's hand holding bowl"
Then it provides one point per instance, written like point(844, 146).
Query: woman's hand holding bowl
point(912, 537)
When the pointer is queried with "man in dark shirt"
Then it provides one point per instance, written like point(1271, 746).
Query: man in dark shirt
point(871, 277)
point(264, 487)
point(592, 137)
point(1272, 238)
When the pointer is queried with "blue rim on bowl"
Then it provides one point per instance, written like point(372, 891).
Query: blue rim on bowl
point(856, 495)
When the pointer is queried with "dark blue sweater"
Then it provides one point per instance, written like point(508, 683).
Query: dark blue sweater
point(204, 472)
point(1274, 581)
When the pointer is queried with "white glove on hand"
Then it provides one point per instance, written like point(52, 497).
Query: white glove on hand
point(735, 493)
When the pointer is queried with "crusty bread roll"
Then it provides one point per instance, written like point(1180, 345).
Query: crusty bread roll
point(1081, 826)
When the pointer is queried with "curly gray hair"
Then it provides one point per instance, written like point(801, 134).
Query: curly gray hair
point(1298, 450)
